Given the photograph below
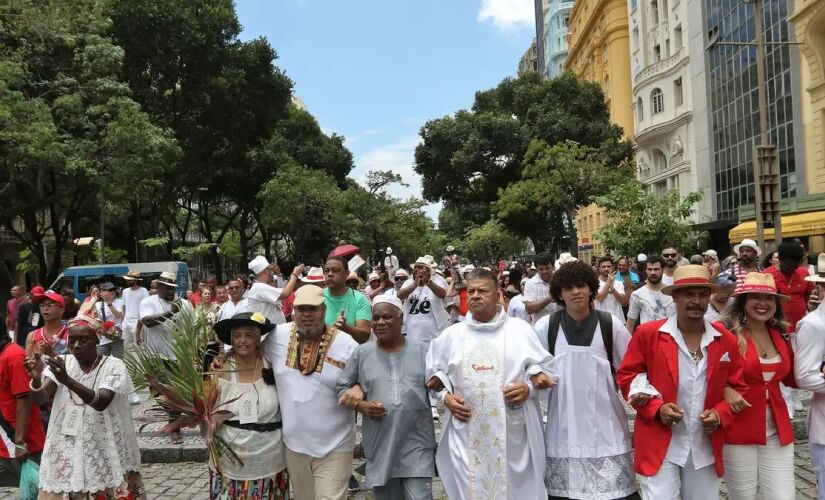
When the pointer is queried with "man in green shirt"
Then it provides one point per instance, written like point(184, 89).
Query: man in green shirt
point(347, 309)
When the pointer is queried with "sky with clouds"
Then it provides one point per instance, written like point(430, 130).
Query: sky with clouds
point(375, 71)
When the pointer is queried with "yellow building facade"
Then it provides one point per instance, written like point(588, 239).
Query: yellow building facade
point(599, 51)
point(809, 22)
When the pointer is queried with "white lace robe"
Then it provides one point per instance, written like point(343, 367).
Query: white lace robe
point(105, 448)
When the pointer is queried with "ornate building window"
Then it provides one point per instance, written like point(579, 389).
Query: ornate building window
point(657, 101)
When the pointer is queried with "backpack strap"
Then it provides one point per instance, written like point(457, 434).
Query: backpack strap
point(553, 331)
point(606, 327)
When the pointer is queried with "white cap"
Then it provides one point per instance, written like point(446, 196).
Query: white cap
point(450, 248)
point(711, 253)
point(258, 264)
point(389, 250)
point(373, 276)
point(388, 299)
point(402, 272)
point(641, 258)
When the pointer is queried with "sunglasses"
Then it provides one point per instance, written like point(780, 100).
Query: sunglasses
point(669, 255)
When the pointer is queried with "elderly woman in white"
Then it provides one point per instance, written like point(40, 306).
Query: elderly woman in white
point(91, 448)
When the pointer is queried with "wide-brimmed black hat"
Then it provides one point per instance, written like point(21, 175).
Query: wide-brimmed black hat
point(224, 327)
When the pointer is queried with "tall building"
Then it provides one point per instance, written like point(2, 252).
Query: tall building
point(669, 98)
point(556, 26)
point(734, 103)
point(529, 60)
point(809, 24)
point(541, 7)
point(599, 51)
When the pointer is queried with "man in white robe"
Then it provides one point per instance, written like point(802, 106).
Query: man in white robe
point(488, 369)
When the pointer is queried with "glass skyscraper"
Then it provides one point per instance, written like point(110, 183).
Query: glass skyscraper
point(734, 99)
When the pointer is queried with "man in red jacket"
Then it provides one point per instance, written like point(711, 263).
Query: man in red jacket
point(674, 373)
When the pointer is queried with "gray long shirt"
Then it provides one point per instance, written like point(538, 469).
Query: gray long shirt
point(401, 444)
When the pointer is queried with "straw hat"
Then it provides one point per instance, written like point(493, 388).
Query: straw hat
point(759, 283)
point(690, 276)
point(133, 276)
point(168, 278)
point(315, 275)
point(426, 261)
point(819, 277)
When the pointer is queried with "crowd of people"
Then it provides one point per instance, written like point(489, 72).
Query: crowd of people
point(529, 366)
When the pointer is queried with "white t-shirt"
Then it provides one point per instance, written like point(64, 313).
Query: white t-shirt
point(313, 422)
point(535, 290)
point(667, 280)
point(516, 308)
point(650, 305)
point(229, 309)
point(131, 299)
point(104, 313)
point(610, 304)
point(425, 314)
point(265, 299)
point(156, 337)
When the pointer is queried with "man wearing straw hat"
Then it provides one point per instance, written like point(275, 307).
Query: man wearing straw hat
point(674, 374)
point(809, 354)
point(423, 294)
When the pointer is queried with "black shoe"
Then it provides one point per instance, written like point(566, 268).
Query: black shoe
point(354, 485)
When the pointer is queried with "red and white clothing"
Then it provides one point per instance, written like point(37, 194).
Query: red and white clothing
point(797, 289)
point(59, 341)
point(14, 383)
point(759, 447)
point(762, 378)
point(671, 457)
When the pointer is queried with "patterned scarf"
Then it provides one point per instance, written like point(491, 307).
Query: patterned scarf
point(308, 356)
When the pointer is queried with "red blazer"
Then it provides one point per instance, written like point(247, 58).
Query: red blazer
point(749, 427)
point(657, 354)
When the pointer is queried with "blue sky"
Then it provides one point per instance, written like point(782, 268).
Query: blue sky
point(375, 71)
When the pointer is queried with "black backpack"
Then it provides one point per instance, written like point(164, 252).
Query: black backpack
point(605, 325)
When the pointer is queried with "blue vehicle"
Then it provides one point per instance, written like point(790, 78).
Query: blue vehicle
point(82, 278)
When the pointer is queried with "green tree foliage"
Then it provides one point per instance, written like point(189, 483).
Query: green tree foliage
point(490, 242)
point(468, 157)
point(640, 221)
point(301, 204)
point(556, 181)
point(68, 124)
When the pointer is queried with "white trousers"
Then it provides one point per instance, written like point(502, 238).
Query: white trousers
point(673, 480)
point(770, 466)
point(818, 461)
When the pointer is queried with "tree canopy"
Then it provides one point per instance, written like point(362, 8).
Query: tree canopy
point(640, 221)
point(530, 152)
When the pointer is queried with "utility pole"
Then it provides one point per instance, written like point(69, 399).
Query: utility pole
point(768, 194)
point(766, 180)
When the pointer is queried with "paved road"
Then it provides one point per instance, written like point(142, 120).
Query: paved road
point(188, 480)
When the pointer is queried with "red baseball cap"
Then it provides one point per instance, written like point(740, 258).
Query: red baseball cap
point(50, 295)
point(38, 291)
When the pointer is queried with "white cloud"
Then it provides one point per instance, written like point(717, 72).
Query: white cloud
point(364, 134)
point(508, 14)
point(398, 157)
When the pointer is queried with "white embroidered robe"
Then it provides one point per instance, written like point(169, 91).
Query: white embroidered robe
point(499, 453)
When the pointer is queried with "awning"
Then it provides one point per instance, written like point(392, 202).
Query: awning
point(793, 225)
